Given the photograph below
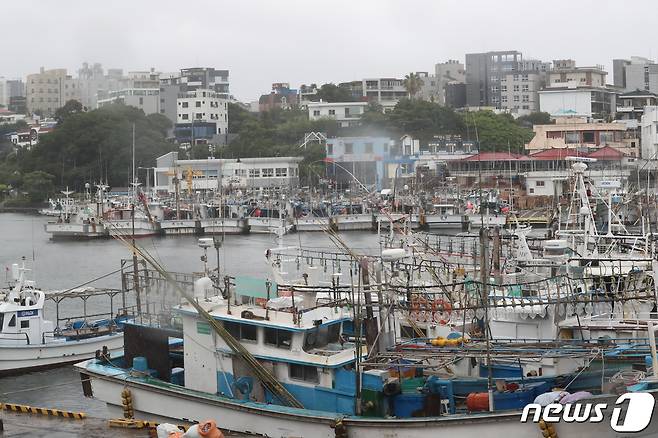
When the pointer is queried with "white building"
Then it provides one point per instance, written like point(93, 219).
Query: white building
point(385, 91)
point(203, 105)
point(146, 99)
point(649, 126)
point(263, 175)
point(345, 113)
point(598, 103)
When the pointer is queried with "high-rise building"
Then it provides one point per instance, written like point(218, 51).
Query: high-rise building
point(484, 72)
point(49, 90)
point(10, 88)
point(636, 73)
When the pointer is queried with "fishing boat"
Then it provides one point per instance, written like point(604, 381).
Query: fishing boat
point(29, 341)
point(79, 221)
point(287, 367)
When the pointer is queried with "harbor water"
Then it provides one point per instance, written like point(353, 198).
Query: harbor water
point(58, 265)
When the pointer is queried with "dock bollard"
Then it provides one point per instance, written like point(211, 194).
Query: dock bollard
point(42, 411)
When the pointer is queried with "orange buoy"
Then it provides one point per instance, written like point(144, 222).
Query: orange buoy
point(477, 401)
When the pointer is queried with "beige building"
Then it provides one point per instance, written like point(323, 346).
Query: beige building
point(519, 92)
point(49, 90)
point(566, 74)
point(579, 133)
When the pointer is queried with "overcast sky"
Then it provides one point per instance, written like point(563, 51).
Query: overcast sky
point(298, 41)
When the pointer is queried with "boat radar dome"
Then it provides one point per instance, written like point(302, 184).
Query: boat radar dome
point(579, 167)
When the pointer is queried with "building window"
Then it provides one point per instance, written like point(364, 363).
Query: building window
point(525, 98)
point(516, 98)
point(185, 104)
point(268, 172)
point(141, 101)
point(503, 99)
point(332, 112)
point(349, 148)
point(368, 148)
point(278, 338)
point(524, 77)
point(254, 173)
point(185, 117)
point(25, 323)
point(316, 113)
point(503, 88)
point(281, 172)
point(516, 77)
point(304, 372)
point(516, 88)
point(539, 183)
point(198, 104)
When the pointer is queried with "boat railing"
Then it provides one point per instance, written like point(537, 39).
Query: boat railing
point(20, 336)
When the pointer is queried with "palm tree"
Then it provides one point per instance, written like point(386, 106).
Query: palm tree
point(413, 83)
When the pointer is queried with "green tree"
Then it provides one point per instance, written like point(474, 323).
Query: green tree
point(70, 107)
point(537, 118)
point(38, 185)
point(496, 131)
point(94, 146)
point(334, 93)
point(413, 84)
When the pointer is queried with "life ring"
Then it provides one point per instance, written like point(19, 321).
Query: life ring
point(442, 310)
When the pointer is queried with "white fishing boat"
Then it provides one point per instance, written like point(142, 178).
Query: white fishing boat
point(28, 341)
point(284, 369)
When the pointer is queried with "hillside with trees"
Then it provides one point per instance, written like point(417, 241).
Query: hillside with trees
point(95, 145)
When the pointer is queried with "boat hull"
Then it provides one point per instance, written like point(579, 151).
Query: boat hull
point(166, 402)
point(21, 358)
point(63, 230)
point(224, 226)
point(354, 222)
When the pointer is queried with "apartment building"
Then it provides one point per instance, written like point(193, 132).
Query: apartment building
point(345, 113)
point(447, 73)
point(201, 117)
point(636, 73)
point(49, 90)
point(578, 91)
point(484, 72)
point(519, 91)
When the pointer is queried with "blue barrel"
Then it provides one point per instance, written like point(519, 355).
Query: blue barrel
point(140, 364)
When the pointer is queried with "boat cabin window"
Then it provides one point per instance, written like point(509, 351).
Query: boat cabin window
point(280, 338)
point(319, 337)
point(246, 332)
point(12, 321)
point(408, 332)
point(2, 320)
point(25, 323)
point(304, 372)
